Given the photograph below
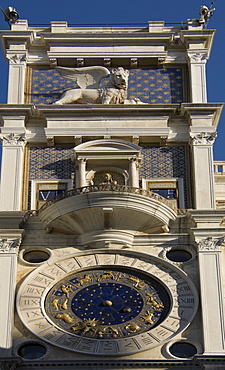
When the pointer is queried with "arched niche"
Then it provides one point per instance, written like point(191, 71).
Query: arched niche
point(118, 158)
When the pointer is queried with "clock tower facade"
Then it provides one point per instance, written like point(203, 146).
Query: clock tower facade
point(111, 244)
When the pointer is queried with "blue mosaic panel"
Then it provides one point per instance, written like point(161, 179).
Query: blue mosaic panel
point(51, 163)
point(157, 86)
point(164, 162)
point(151, 85)
point(158, 162)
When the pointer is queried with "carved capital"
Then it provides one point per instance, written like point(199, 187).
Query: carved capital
point(210, 244)
point(17, 58)
point(134, 162)
point(9, 245)
point(197, 56)
point(203, 138)
point(133, 159)
point(13, 139)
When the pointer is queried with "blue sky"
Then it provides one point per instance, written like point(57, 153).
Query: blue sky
point(132, 11)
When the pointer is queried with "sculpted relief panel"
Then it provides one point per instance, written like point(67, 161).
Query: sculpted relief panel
point(148, 85)
point(89, 92)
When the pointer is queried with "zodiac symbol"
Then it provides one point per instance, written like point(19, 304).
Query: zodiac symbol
point(152, 301)
point(66, 289)
point(148, 318)
point(86, 325)
point(64, 304)
point(65, 317)
point(110, 330)
point(137, 282)
point(85, 279)
point(55, 304)
point(132, 327)
point(106, 275)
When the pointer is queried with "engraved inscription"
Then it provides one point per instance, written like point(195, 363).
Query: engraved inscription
point(69, 265)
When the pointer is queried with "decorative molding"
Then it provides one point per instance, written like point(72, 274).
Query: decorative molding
point(17, 58)
point(50, 140)
point(191, 341)
point(53, 62)
point(31, 341)
point(133, 63)
point(13, 139)
point(136, 139)
point(10, 363)
point(210, 244)
point(203, 138)
point(163, 140)
point(80, 62)
point(9, 245)
point(188, 248)
point(78, 140)
point(107, 62)
point(161, 60)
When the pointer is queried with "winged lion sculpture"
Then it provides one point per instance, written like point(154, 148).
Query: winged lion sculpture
point(89, 92)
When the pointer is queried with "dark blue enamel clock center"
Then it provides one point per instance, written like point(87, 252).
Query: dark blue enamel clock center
point(108, 303)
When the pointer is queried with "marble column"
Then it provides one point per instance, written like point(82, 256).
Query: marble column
point(16, 83)
point(133, 172)
point(8, 267)
point(209, 257)
point(203, 172)
point(12, 172)
point(82, 172)
point(197, 64)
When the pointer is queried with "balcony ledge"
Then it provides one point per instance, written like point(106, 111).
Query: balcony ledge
point(100, 207)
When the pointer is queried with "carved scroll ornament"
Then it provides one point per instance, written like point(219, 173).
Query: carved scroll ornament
point(9, 245)
point(203, 138)
point(210, 244)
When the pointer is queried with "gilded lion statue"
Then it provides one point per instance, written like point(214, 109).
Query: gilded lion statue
point(89, 92)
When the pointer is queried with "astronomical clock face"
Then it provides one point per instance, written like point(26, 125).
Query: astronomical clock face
point(103, 303)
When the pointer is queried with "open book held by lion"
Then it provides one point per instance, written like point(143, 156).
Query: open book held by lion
point(89, 92)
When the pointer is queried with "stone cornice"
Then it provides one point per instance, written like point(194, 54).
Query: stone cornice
point(198, 111)
point(74, 119)
point(197, 362)
point(203, 37)
point(108, 110)
point(16, 38)
point(153, 109)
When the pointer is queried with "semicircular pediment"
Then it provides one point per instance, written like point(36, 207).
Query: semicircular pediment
point(107, 145)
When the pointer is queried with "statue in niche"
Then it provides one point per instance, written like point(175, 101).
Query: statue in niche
point(89, 92)
point(110, 178)
point(107, 179)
